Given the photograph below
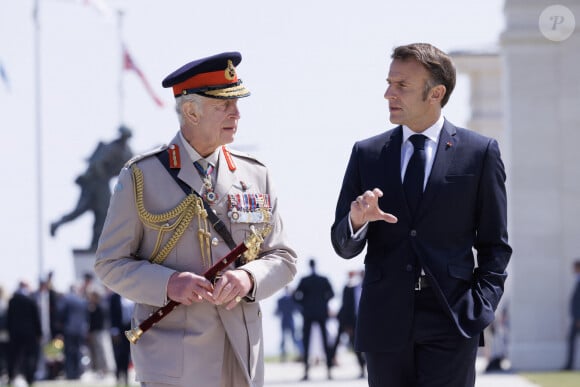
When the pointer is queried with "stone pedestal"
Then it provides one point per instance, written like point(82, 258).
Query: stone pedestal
point(83, 263)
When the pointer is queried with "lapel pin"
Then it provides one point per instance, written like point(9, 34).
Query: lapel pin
point(448, 145)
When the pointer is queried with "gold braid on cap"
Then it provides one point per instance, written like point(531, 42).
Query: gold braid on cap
point(183, 213)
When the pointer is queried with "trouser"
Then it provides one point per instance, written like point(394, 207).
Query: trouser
point(122, 354)
point(349, 330)
point(72, 356)
point(22, 355)
point(306, 328)
point(436, 355)
point(574, 328)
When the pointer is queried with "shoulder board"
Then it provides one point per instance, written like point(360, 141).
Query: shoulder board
point(244, 155)
point(144, 155)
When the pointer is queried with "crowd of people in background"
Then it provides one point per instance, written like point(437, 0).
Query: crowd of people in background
point(46, 334)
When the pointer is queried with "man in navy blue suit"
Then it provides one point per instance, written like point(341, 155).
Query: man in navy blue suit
point(421, 205)
point(313, 293)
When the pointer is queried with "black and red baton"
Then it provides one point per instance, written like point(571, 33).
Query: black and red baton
point(251, 244)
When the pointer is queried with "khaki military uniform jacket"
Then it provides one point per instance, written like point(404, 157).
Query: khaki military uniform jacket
point(186, 347)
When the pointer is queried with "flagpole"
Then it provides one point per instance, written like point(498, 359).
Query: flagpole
point(121, 89)
point(38, 124)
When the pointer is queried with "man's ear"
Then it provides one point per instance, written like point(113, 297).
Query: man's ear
point(190, 112)
point(437, 93)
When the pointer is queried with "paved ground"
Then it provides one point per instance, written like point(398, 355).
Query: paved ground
point(346, 375)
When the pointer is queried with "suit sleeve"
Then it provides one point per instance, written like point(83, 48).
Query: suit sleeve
point(345, 246)
point(491, 243)
point(117, 262)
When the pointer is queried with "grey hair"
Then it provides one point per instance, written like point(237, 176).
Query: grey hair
point(179, 101)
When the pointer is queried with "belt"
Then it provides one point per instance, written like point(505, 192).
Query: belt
point(422, 283)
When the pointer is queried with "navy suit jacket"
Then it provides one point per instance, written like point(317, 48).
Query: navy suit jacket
point(313, 294)
point(463, 208)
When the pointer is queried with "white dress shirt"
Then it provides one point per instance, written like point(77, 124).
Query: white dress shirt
point(432, 133)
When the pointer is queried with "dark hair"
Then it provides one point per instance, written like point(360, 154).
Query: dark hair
point(437, 63)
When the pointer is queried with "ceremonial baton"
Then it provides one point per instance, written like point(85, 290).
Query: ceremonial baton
point(250, 245)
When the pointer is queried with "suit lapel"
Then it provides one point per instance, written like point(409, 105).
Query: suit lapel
point(391, 156)
point(443, 158)
point(390, 175)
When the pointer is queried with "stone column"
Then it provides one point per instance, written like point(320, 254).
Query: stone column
point(484, 71)
point(542, 119)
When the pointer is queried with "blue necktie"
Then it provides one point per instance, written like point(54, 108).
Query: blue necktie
point(204, 168)
point(415, 173)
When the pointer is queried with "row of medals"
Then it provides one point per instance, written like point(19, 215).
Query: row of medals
point(256, 208)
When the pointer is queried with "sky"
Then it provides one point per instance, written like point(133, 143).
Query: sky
point(316, 70)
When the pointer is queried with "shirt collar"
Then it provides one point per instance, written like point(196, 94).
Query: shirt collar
point(432, 132)
point(212, 158)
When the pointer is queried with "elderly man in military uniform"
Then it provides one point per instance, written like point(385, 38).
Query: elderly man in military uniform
point(178, 210)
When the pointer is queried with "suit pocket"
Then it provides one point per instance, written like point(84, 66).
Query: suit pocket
point(459, 178)
point(464, 273)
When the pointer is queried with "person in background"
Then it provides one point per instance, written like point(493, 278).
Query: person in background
point(47, 299)
point(347, 316)
point(313, 293)
point(120, 311)
point(75, 317)
point(157, 243)
point(25, 332)
point(574, 317)
point(97, 333)
point(499, 340)
point(286, 307)
point(422, 198)
point(4, 338)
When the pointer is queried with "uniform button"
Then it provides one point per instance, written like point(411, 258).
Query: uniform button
point(413, 233)
point(409, 267)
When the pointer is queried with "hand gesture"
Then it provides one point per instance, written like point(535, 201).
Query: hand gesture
point(365, 208)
